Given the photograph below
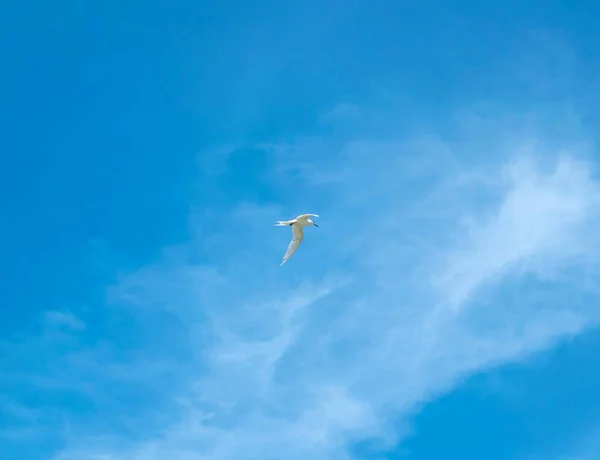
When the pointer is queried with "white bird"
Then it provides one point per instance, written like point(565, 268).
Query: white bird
point(297, 225)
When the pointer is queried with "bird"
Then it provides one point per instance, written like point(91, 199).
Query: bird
point(297, 224)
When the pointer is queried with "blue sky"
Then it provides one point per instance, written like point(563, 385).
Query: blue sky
point(447, 307)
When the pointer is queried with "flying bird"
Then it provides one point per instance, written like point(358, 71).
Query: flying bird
point(297, 225)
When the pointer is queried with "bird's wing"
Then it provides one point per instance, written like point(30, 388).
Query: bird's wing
point(305, 216)
point(282, 223)
point(297, 236)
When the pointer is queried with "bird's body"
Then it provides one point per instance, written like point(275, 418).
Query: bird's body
point(297, 224)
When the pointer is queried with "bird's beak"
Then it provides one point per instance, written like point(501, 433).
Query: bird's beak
point(316, 226)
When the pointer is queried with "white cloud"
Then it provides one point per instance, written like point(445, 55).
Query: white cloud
point(544, 215)
point(446, 275)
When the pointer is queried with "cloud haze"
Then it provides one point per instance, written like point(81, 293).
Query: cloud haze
point(427, 268)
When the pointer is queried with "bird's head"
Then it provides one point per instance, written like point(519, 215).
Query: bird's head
point(312, 222)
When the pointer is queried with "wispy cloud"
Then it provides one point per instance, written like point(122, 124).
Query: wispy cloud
point(544, 216)
point(448, 267)
point(63, 319)
point(588, 448)
point(341, 113)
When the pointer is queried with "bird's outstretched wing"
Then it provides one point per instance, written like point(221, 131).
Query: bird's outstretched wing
point(297, 236)
point(283, 223)
point(302, 216)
